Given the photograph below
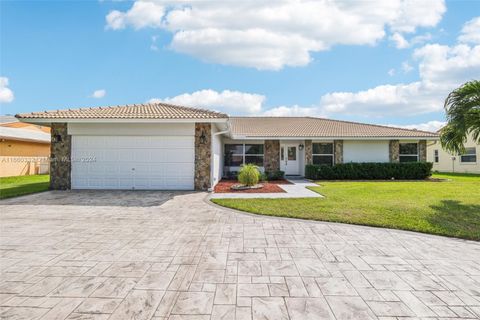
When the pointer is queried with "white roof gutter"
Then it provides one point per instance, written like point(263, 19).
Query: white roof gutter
point(241, 137)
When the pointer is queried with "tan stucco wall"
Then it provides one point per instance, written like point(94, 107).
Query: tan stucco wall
point(24, 148)
point(446, 164)
point(19, 158)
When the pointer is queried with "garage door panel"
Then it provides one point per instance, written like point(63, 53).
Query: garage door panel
point(133, 162)
point(158, 155)
point(125, 155)
point(179, 155)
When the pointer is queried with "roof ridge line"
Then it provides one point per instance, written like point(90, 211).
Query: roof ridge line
point(370, 124)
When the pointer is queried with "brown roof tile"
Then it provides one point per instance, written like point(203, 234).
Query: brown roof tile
point(316, 127)
point(135, 111)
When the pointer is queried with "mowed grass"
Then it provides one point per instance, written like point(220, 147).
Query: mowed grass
point(450, 208)
point(22, 185)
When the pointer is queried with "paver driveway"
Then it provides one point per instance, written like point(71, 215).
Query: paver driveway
point(138, 255)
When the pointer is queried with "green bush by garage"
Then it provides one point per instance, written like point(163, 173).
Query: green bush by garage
point(370, 171)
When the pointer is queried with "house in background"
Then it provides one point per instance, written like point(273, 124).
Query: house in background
point(24, 148)
point(444, 161)
point(168, 147)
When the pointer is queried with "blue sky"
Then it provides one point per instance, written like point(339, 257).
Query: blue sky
point(346, 60)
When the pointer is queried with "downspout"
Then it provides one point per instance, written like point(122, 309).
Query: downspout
point(217, 134)
point(221, 132)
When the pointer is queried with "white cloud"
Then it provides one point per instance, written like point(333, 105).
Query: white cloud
point(441, 69)
point(142, 14)
point(272, 35)
point(406, 67)
point(402, 43)
point(293, 111)
point(401, 99)
point(97, 94)
point(234, 102)
point(153, 45)
point(471, 31)
point(391, 72)
point(431, 126)
point(6, 94)
point(399, 40)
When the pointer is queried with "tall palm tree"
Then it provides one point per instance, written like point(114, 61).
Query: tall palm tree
point(463, 115)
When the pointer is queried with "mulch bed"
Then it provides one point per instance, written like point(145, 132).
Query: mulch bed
point(268, 187)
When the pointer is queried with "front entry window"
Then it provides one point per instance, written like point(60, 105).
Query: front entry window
point(289, 159)
point(233, 155)
point(239, 154)
point(408, 152)
point(292, 153)
point(322, 153)
point(254, 154)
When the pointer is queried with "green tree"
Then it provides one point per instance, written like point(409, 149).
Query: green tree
point(462, 107)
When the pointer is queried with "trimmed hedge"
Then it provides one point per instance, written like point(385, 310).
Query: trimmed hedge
point(370, 171)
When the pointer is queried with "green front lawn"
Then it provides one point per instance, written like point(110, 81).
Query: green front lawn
point(450, 208)
point(19, 186)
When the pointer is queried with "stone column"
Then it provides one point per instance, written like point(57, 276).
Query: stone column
point(308, 152)
point(394, 151)
point(272, 155)
point(203, 155)
point(422, 150)
point(338, 151)
point(60, 156)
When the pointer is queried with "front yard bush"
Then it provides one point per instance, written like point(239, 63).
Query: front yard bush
point(249, 175)
point(275, 175)
point(370, 171)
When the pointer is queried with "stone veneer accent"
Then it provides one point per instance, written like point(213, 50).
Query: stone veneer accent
point(203, 155)
point(60, 153)
point(272, 155)
point(308, 152)
point(338, 151)
point(422, 150)
point(394, 151)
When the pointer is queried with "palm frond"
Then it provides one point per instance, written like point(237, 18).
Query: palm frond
point(462, 108)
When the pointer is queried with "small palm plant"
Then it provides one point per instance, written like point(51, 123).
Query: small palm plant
point(249, 175)
point(463, 114)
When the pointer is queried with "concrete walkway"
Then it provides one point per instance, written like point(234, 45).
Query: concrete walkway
point(172, 256)
point(298, 189)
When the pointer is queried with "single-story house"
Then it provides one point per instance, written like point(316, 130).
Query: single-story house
point(168, 147)
point(445, 161)
point(24, 148)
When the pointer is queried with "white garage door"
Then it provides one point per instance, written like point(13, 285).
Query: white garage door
point(133, 162)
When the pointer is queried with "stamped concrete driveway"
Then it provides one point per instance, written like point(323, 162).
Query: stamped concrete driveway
point(144, 255)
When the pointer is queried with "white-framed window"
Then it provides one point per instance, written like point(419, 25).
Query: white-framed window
point(435, 156)
point(470, 155)
point(409, 152)
point(322, 153)
point(237, 154)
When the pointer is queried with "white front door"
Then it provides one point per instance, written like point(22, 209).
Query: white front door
point(289, 159)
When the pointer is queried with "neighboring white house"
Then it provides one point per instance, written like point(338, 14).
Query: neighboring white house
point(447, 162)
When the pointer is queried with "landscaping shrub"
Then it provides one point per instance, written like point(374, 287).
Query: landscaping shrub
point(370, 171)
point(275, 175)
point(231, 175)
point(249, 175)
point(263, 177)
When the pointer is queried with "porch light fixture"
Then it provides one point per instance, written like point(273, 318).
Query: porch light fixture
point(203, 138)
point(57, 138)
point(301, 146)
